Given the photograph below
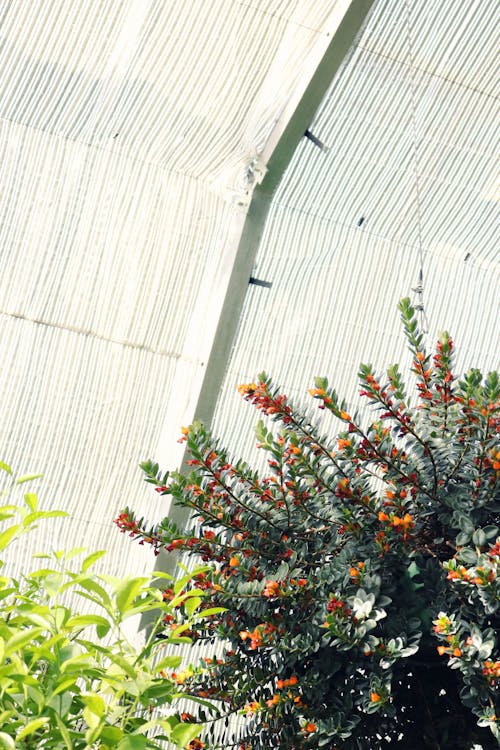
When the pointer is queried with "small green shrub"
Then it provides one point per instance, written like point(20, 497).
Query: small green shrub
point(70, 678)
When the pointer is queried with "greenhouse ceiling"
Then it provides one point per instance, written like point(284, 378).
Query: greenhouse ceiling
point(156, 155)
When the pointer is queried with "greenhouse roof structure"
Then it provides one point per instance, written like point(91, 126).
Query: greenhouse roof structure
point(193, 191)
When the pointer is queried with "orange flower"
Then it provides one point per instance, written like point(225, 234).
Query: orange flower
point(272, 588)
point(492, 669)
point(316, 392)
point(441, 650)
point(343, 443)
point(247, 388)
point(251, 708)
point(375, 697)
point(185, 433)
point(309, 728)
point(293, 680)
point(345, 416)
point(383, 516)
point(273, 701)
point(234, 562)
point(404, 523)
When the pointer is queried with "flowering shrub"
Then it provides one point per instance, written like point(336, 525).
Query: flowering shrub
point(69, 678)
point(360, 574)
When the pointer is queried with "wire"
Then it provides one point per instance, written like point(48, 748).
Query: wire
point(419, 288)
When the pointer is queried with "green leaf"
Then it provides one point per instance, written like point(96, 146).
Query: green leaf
point(32, 727)
point(82, 621)
point(490, 532)
point(169, 662)
point(5, 467)
point(111, 736)
point(124, 664)
point(6, 742)
point(31, 500)
point(94, 703)
point(479, 538)
point(127, 592)
point(63, 685)
point(8, 511)
point(132, 742)
point(191, 604)
point(182, 734)
point(64, 733)
point(39, 514)
point(7, 535)
point(21, 639)
point(211, 611)
point(91, 559)
point(101, 595)
point(28, 478)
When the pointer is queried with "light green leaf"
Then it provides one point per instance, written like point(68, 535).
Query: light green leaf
point(39, 514)
point(28, 478)
point(82, 621)
point(94, 703)
point(5, 467)
point(6, 742)
point(93, 721)
point(7, 535)
point(132, 742)
point(66, 683)
point(124, 664)
point(31, 500)
point(182, 734)
point(179, 585)
point(169, 662)
point(8, 511)
point(76, 663)
point(191, 604)
point(111, 736)
point(32, 727)
point(91, 559)
point(102, 596)
point(127, 591)
point(21, 639)
point(211, 611)
point(64, 733)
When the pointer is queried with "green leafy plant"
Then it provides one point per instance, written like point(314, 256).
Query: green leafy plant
point(360, 574)
point(69, 676)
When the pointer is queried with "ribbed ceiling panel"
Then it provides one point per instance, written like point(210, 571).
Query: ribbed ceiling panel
point(103, 243)
point(369, 172)
point(73, 407)
point(454, 40)
point(181, 83)
point(130, 134)
point(406, 184)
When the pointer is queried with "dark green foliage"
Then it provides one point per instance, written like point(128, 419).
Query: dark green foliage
point(360, 574)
